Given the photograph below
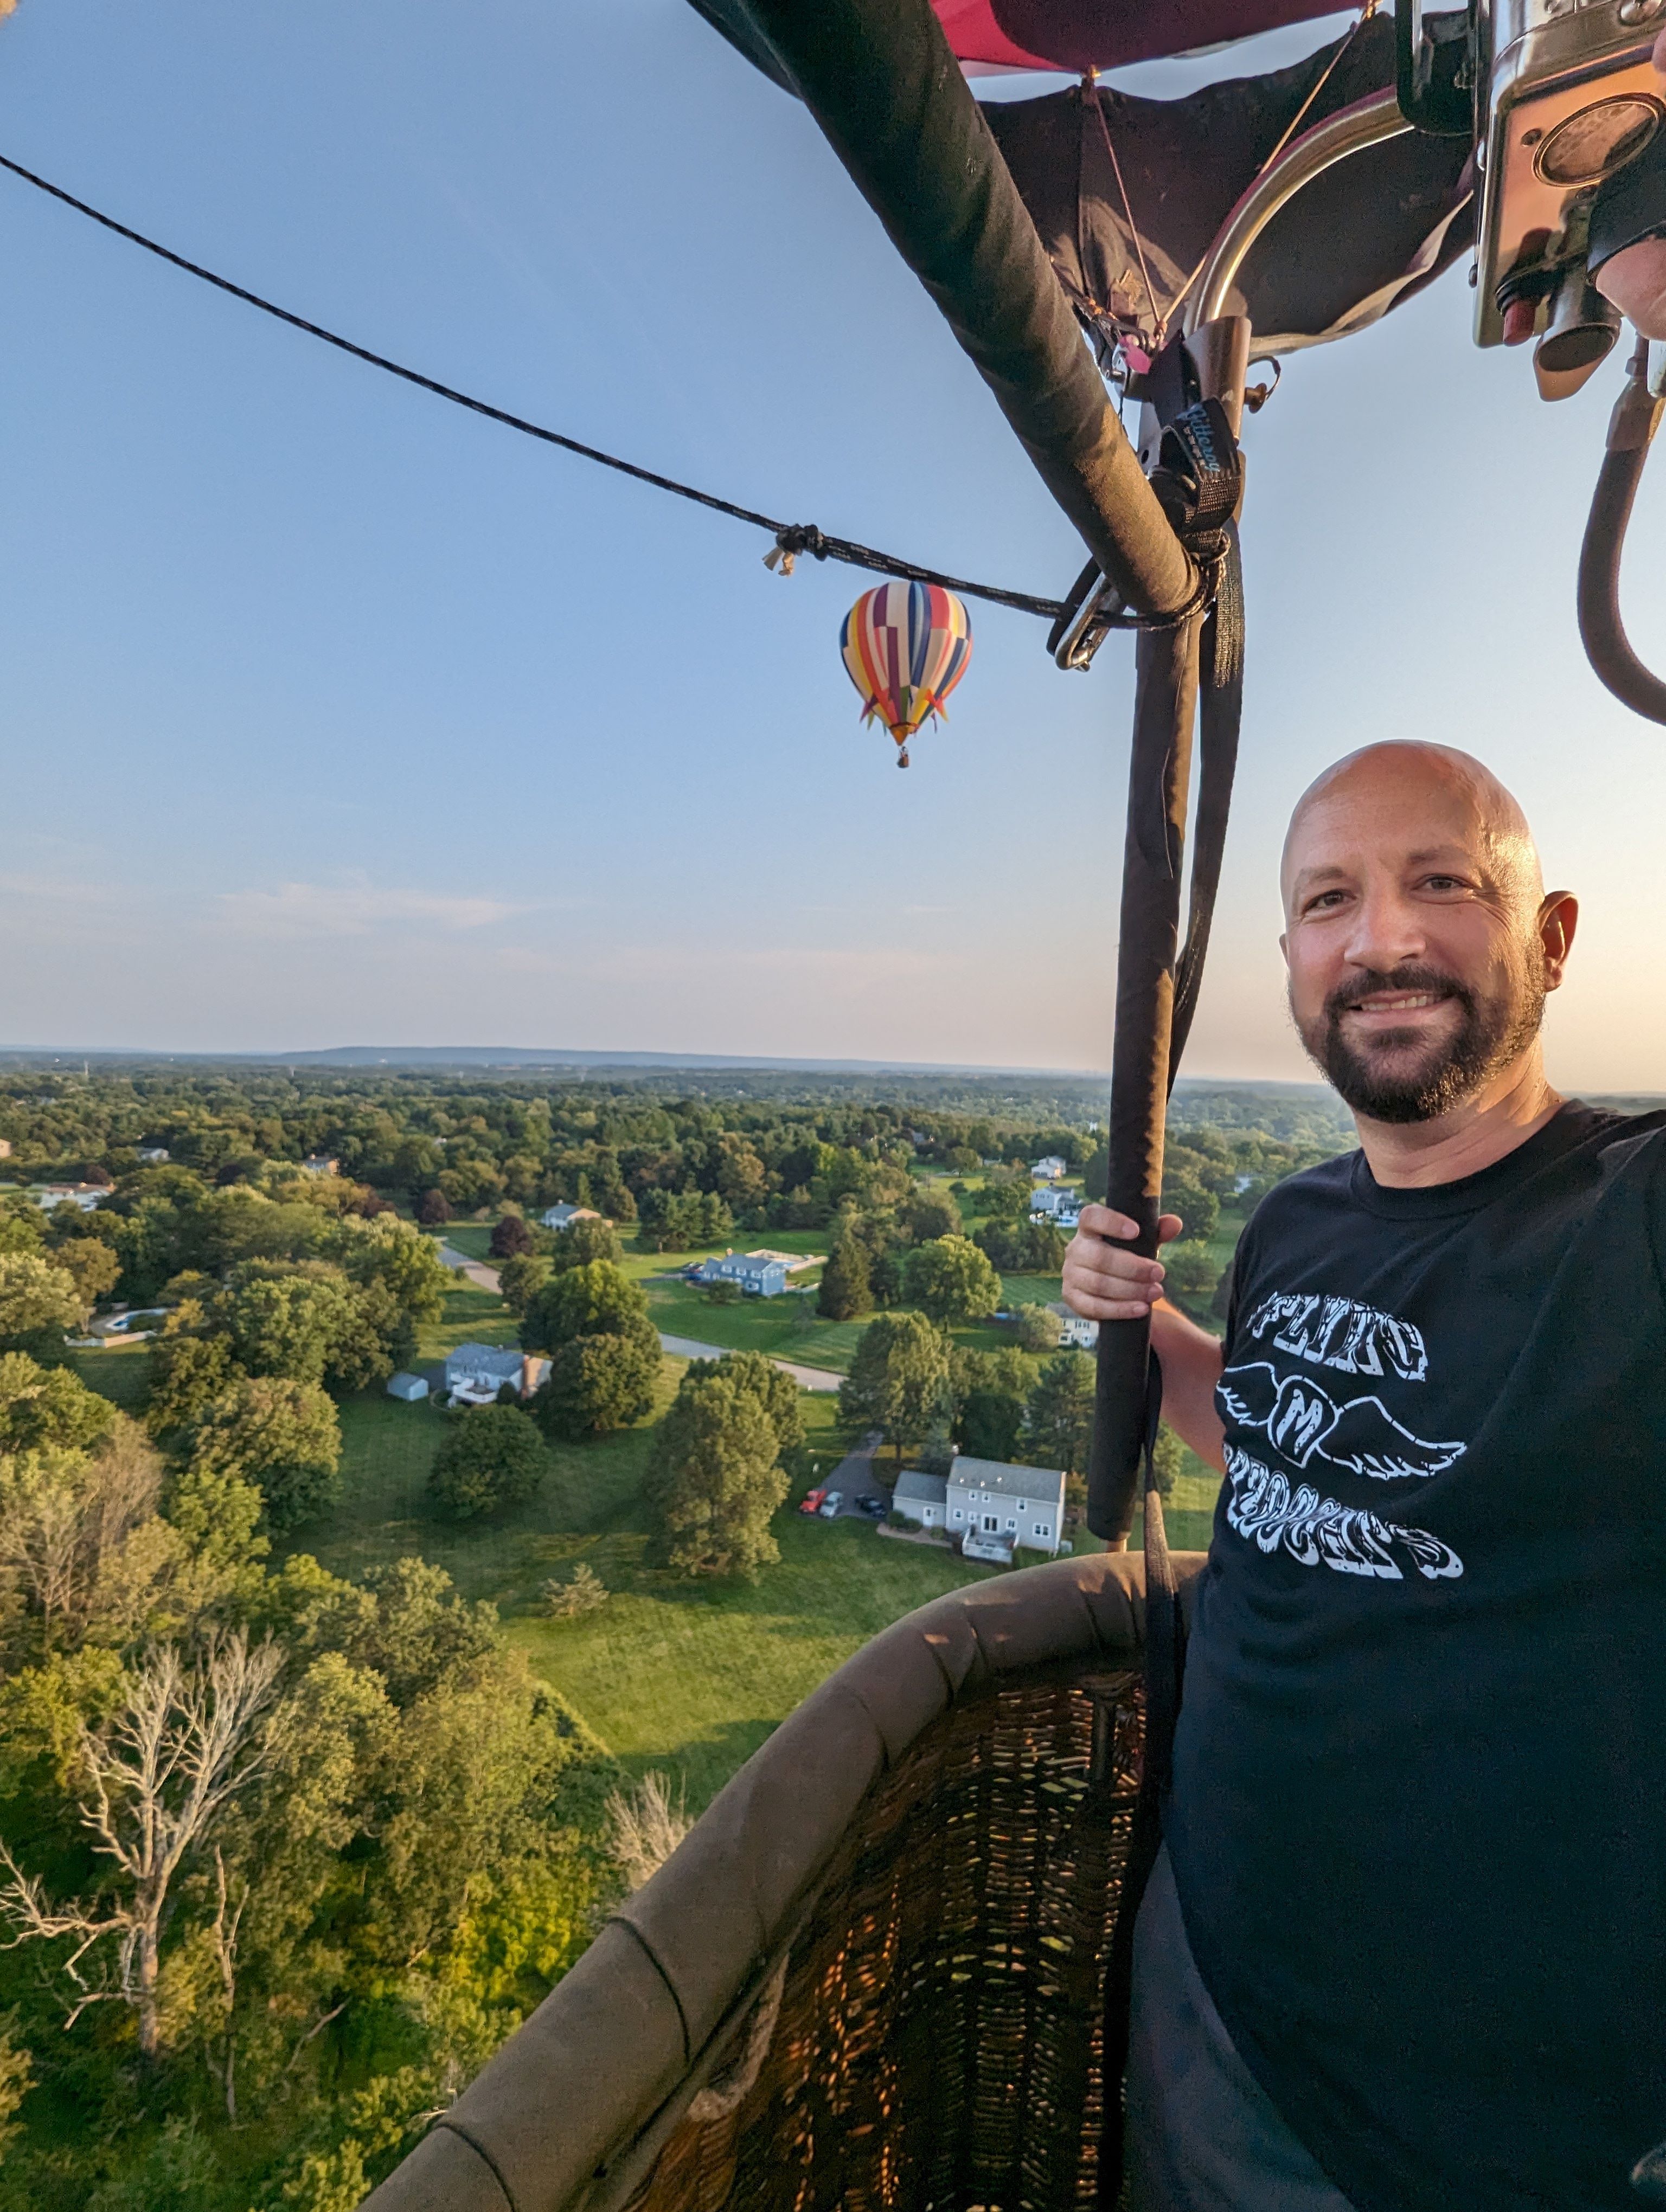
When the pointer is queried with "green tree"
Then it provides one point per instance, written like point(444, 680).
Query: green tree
point(932, 1213)
point(1005, 1200)
point(714, 1481)
point(1189, 1271)
point(282, 1437)
point(990, 1423)
point(951, 1280)
point(279, 1320)
point(773, 1387)
point(1038, 1328)
point(846, 1290)
point(38, 1302)
point(188, 1370)
point(491, 1457)
point(1059, 1420)
point(91, 1265)
point(581, 1242)
point(596, 1299)
point(597, 1385)
point(43, 1405)
point(898, 1380)
point(520, 1280)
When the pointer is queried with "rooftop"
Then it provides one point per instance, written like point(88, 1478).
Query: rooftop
point(923, 1489)
point(995, 1476)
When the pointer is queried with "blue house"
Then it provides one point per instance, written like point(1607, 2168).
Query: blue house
point(760, 1274)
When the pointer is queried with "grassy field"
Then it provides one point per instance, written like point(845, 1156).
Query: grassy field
point(688, 1677)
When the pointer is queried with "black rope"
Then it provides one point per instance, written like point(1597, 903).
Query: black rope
point(791, 538)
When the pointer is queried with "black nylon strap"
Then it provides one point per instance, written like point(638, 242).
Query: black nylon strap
point(1164, 1667)
point(1220, 710)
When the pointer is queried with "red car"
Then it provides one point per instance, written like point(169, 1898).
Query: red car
point(811, 1502)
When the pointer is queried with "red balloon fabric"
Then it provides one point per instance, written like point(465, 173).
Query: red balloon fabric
point(1082, 35)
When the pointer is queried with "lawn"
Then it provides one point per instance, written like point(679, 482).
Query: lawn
point(786, 1327)
point(118, 1372)
point(688, 1677)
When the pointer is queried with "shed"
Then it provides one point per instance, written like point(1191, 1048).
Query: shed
point(410, 1387)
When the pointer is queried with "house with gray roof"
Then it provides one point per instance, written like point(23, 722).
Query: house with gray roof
point(563, 1216)
point(923, 1498)
point(760, 1274)
point(475, 1373)
point(993, 1508)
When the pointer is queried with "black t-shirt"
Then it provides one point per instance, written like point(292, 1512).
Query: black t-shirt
point(1419, 1816)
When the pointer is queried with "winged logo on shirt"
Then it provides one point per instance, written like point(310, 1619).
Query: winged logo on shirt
point(1306, 1423)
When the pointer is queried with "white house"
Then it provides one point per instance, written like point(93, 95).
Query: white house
point(760, 1274)
point(993, 1507)
point(923, 1498)
point(1074, 1330)
point(563, 1216)
point(320, 1164)
point(1050, 1169)
point(475, 1373)
point(1063, 1209)
point(154, 1156)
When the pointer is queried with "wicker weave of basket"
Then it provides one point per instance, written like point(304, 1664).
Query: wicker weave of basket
point(871, 1975)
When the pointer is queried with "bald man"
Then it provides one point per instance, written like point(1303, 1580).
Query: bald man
point(1405, 1949)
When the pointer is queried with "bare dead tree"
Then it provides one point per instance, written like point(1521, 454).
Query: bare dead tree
point(223, 1934)
point(156, 1777)
point(64, 1514)
point(646, 1826)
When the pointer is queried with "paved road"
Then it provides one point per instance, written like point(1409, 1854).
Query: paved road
point(482, 1278)
point(807, 1378)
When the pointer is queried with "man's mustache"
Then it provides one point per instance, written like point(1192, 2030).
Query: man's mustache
point(1366, 983)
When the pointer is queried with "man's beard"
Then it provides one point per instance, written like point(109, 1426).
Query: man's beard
point(1490, 1035)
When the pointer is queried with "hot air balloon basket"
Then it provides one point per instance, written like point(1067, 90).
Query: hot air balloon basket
point(932, 2037)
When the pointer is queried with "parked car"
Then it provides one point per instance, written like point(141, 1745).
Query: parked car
point(829, 1508)
point(873, 1505)
point(811, 1501)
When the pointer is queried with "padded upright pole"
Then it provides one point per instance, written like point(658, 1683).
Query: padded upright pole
point(1159, 781)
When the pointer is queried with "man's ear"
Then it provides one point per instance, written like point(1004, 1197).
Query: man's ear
point(1284, 945)
point(1559, 917)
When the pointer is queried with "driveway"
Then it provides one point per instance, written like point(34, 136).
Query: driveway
point(852, 1476)
point(807, 1378)
point(482, 1278)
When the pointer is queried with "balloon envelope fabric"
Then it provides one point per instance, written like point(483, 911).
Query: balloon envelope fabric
point(906, 646)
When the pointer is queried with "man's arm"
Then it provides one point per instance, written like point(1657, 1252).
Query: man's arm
point(1104, 1281)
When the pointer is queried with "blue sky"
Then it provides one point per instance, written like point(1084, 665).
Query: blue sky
point(333, 714)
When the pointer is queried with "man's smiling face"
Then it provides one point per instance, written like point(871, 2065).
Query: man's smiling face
point(1418, 941)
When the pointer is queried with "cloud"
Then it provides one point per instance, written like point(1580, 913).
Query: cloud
point(355, 910)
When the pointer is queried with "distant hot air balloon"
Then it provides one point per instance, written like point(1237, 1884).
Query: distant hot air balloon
point(906, 646)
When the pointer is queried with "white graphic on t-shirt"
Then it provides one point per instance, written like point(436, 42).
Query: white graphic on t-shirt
point(1321, 1532)
point(1305, 1422)
point(1338, 1333)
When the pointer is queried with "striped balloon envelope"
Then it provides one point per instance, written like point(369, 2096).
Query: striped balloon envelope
point(906, 646)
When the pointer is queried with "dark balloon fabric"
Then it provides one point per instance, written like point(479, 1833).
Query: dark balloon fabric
point(1364, 235)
